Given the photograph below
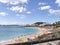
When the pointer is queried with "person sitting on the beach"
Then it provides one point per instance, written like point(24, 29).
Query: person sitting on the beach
point(29, 39)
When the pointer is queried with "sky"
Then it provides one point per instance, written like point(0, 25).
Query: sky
point(29, 11)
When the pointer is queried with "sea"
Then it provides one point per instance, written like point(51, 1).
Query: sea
point(10, 32)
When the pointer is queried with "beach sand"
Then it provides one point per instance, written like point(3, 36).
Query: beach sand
point(24, 38)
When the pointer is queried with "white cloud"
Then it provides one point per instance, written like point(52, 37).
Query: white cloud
point(44, 7)
point(4, 1)
point(17, 8)
point(28, 12)
point(21, 16)
point(14, 2)
point(41, 3)
point(58, 2)
point(56, 12)
point(24, 1)
point(3, 14)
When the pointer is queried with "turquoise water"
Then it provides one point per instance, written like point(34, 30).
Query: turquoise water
point(9, 32)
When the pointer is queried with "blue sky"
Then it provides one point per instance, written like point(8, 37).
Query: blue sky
point(29, 11)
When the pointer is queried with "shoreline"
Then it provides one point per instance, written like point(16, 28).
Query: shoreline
point(24, 38)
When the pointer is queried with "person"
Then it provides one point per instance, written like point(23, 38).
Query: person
point(29, 39)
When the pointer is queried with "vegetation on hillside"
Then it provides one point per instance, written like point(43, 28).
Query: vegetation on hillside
point(56, 24)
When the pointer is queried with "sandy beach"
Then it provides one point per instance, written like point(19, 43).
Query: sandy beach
point(24, 38)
